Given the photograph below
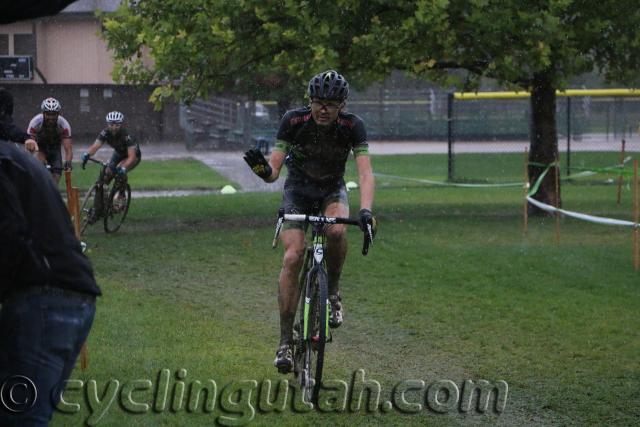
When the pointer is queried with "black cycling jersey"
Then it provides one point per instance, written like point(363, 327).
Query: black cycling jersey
point(120, 141)
point(320, 153)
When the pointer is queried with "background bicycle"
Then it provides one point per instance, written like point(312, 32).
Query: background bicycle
point(107, 201)
point(311, 328)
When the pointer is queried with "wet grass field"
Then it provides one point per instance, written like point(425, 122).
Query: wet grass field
point(451, 291)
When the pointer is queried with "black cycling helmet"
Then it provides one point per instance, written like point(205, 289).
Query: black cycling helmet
point(329, 85)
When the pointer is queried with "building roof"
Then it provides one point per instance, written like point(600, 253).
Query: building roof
point(90, 6)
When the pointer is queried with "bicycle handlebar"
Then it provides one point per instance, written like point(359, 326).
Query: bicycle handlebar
point(321, 219)
point(94, 161)
point(91, 159)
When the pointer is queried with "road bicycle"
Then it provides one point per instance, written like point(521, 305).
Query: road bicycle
point(311, 327)
point(113, 207)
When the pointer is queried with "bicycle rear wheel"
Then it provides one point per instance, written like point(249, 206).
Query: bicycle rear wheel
point(117, 207)
point(88, 215)
point(314, 334)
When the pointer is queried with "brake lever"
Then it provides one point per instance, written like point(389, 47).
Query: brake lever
point(274, 244)
point(368, 240)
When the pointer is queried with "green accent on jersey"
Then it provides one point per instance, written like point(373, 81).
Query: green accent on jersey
point(281, 146)
point(361, 150)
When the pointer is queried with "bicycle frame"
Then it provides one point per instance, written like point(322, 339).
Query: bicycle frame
point(119, 181)
point(317, 262)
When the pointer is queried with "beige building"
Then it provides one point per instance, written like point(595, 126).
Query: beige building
point(71, 62)
point(66, 48)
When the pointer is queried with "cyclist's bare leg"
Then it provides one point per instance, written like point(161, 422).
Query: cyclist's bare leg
point(336, 245)
point(288, 292)
point(130, 168)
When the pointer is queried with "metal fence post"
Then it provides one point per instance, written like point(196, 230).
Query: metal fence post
point(568, 135)
point(450, 136)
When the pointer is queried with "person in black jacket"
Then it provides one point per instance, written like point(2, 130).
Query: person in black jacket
point(47, 291)
point(8, 130)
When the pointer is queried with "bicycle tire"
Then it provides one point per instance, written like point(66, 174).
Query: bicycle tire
point(86, 210)
point(114, 216)
point(314, 343)
point(298, 349)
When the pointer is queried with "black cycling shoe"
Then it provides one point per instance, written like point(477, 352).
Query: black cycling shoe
point(284, 359)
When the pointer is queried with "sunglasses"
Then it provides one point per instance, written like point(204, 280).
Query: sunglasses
point(329, 106)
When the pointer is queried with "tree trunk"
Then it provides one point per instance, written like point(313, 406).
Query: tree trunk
point(544, 141)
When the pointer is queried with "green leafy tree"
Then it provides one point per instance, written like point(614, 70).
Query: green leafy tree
point(197, 48)
point(270, 48)
point(261, 49)
point(535, 45)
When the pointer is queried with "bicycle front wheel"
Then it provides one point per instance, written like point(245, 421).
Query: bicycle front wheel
point(117, 207)
point(88, 214)
point(314, 333)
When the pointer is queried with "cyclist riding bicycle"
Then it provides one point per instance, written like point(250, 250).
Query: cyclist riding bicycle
point(315, 143)
point(51, 130)
point(126, 151)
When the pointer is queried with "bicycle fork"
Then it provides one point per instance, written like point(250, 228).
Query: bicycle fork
point(316, 268)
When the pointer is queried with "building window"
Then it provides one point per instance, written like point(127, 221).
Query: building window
point(4, 44)
point(107, 93)
point(84, 101)
point(24, 44)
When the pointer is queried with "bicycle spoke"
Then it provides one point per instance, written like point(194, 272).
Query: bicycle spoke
point(87, 211)
point(117, 207)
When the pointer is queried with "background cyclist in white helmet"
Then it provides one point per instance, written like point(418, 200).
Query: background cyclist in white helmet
point(126, 151)
point(51, 130)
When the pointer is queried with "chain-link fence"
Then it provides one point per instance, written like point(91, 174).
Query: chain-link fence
point(489, 136)
point(483, 139)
